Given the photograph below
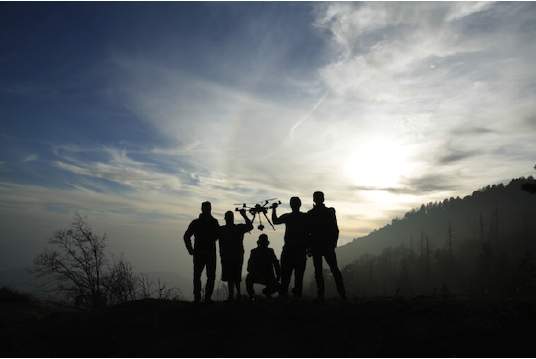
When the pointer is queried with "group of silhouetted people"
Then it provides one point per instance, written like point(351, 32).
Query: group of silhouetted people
point(314, 233)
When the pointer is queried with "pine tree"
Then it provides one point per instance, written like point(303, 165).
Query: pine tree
point(482, 229)
point(450, 242)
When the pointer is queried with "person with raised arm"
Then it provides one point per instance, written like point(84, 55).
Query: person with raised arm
point(294, 254)
point(231, 239)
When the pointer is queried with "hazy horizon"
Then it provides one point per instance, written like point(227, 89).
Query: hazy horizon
point(135, 113)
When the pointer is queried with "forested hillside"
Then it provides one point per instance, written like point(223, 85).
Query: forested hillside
point(482, 243)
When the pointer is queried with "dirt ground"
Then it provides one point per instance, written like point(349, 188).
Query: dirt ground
point(397, 327)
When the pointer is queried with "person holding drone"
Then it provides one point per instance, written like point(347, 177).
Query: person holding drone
point(231, 238)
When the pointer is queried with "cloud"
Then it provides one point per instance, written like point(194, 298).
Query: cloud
point(408, 71)
point(523, 150)
point(291, 136)
point(113, 170)
point(415, 186)
point(431, 183)
point(140, 205)
point(383, 45)
point(455, 155)
point(117, 166)
point(228, 137)
point(454, 150)
point(30, 158)
point(469, 130)
point(433, 73)
point(394, 190)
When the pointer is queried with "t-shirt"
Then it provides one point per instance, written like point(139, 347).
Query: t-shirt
point(296, 229)
point(205, 230)
point(232, 240)
point(323, 226)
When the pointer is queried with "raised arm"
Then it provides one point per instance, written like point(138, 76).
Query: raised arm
point(249, 225)
point(275, 219)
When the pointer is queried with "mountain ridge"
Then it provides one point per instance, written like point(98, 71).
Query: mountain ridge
point(506, 207)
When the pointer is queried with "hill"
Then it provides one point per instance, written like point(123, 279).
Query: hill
point(172, 280)
point(492, 214)
point(428, 327)
point(480, 245)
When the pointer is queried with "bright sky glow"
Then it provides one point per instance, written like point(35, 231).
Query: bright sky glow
point(135, 113)
point(378, 164)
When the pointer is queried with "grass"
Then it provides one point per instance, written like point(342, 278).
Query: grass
point(365, 328)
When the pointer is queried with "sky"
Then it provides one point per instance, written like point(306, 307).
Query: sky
point(134, 113)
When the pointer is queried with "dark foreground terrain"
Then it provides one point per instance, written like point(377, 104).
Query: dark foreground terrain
point(367, 328)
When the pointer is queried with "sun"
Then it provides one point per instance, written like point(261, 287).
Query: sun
point(377, 164)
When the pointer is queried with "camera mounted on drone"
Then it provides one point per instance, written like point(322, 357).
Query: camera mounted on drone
point(260, 209)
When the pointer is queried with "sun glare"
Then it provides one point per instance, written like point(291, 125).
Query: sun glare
point(376, 164)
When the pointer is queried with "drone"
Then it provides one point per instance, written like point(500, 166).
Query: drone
point(258, 209)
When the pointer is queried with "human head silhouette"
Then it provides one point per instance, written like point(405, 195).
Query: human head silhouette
point(318, 197)
point(295, 203)
point(263, 240)
point(229, 217)
point(206, 207)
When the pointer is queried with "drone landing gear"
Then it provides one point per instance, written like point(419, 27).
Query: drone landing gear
point(260, 208)
point(261, 226)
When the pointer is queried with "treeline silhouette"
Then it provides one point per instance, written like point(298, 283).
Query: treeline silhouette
point(483, 244)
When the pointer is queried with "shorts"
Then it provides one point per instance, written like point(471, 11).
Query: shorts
point(231, 270)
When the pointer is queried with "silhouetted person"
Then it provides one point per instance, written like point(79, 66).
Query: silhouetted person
point(324, 235)
point(205, 231)
point(232, 251)
point(261, 265)
point(294, 254)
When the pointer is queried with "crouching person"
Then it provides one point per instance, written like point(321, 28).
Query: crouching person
point(261, 265)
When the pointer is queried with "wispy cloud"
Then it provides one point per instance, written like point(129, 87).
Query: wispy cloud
point(291, 136)
point(381, 44)
point(469, 130)
point(30, 158)
point(435, 69)
point(117, 166)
